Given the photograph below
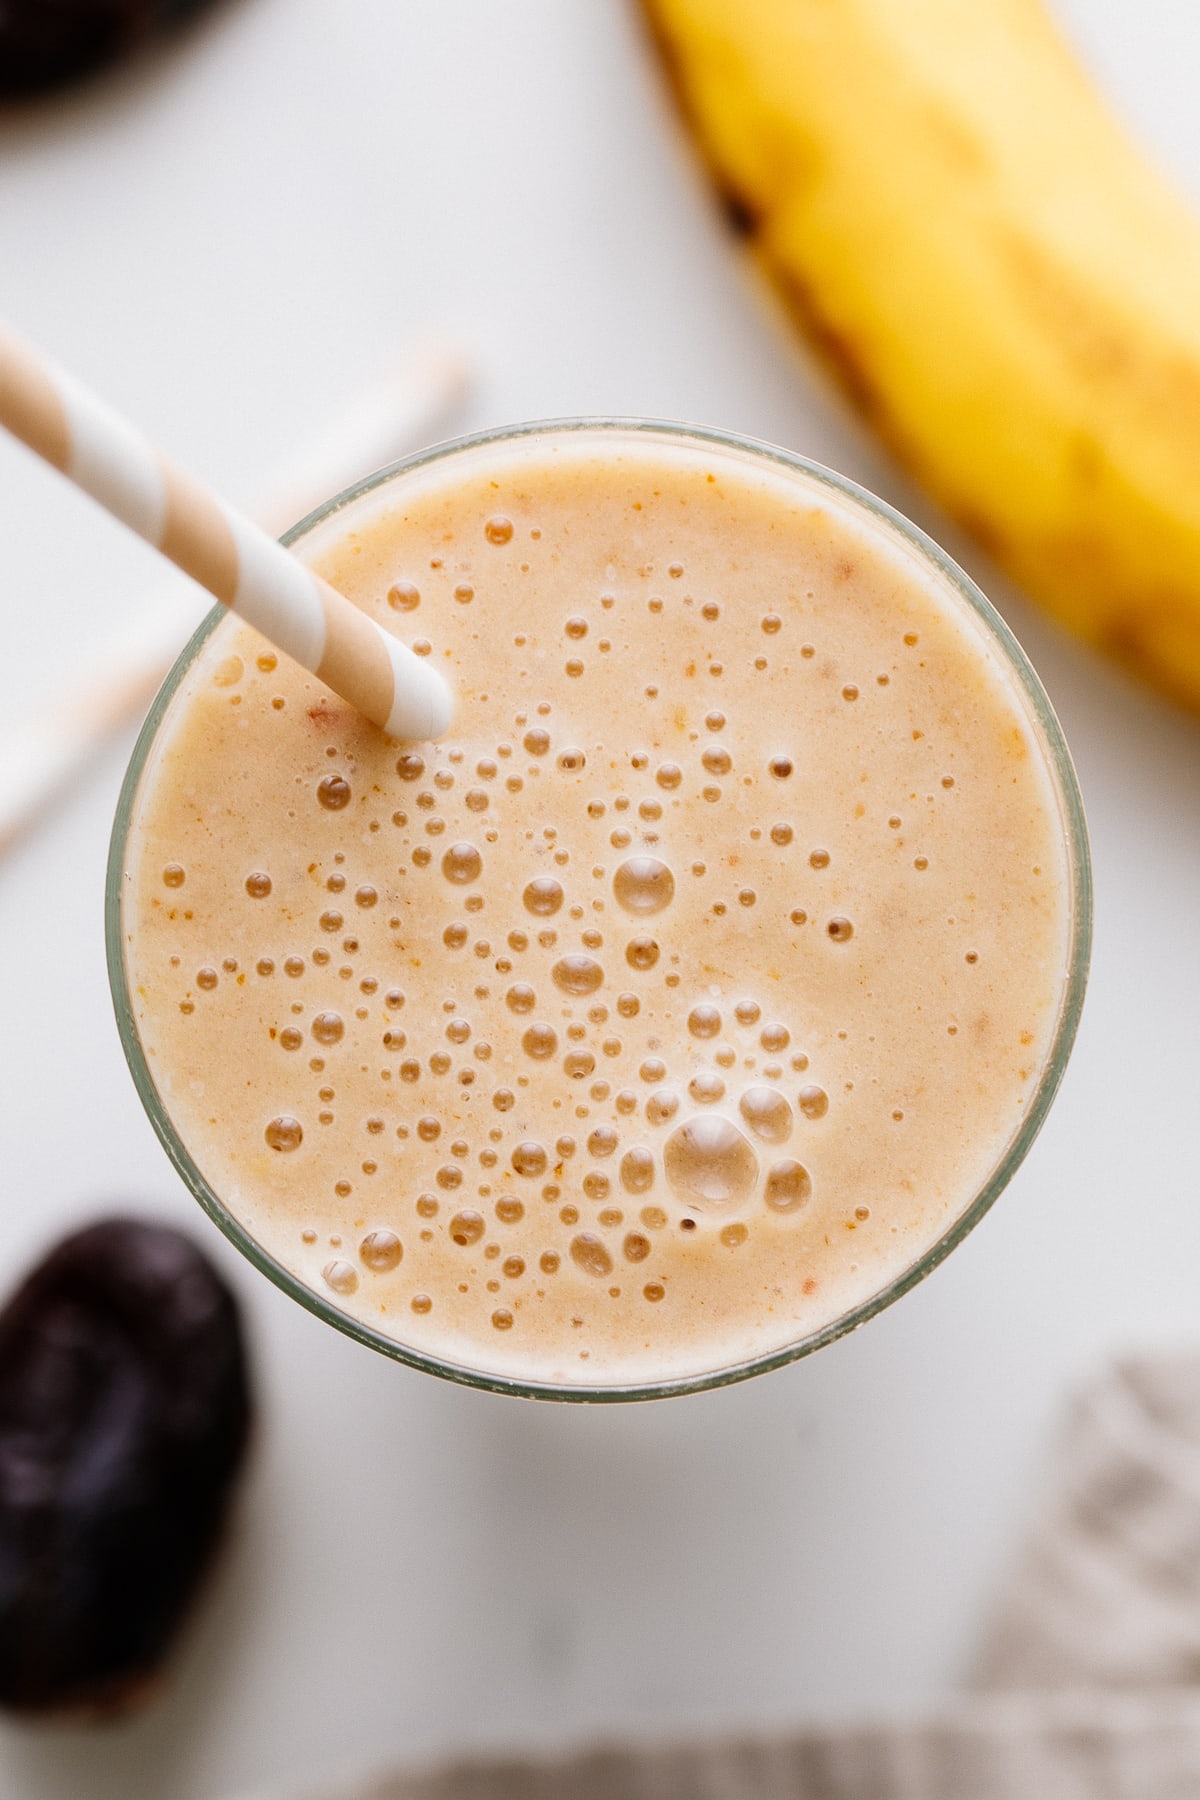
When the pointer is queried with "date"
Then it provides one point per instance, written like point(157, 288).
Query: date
point(124, 1417)
point(45, 44)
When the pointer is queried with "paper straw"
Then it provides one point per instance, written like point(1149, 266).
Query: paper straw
point(234, 559)
point(44, 751)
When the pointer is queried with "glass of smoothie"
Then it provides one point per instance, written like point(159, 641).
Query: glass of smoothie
point(690, 1000)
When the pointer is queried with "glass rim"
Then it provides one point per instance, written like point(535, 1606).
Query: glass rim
point(1070, 801)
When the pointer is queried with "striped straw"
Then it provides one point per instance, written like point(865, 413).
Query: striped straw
point(238, 563)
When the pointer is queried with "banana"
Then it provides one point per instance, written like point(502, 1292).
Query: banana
point(1007, 288)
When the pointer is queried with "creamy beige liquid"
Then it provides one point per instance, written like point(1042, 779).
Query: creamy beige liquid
point(681, 998)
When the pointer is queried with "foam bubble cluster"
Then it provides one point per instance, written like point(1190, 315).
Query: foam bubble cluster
point(563, 987)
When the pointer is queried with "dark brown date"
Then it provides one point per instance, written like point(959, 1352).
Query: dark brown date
point(46, 43)
point(124, 1413)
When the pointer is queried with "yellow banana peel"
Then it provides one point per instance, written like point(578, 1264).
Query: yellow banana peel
point(1006, 286)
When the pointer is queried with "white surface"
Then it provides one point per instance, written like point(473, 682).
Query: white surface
point(224, 242)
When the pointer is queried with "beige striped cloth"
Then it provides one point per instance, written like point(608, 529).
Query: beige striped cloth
point(1087, 1685)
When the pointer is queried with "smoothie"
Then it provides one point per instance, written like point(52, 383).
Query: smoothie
point(678, 1004)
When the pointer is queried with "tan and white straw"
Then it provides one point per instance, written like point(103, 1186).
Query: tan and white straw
point(45, 749)
point(234, 559)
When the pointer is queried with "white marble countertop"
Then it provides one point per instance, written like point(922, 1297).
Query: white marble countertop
point(226, 240)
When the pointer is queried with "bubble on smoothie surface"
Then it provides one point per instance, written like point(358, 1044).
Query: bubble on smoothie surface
point(577, 975)
point(498, 530)
point(403, 596)
point(767, 1113)
point(467, 1227)
point(788, 1186)
point(284, 1133)
point(381, 1251)
point(591, 1254)
point(529, 1159)
point(637, 1170)
point(540, 1041)
point(258, 884)
point(341, 1276)
point(333, 793)
point(543, 896)
point(643, 885)
point(709, 1164)
point(813, 1102)
point(704, 1021)
point(462, 864)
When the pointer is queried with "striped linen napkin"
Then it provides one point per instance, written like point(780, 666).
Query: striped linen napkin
point(1087, 1684)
